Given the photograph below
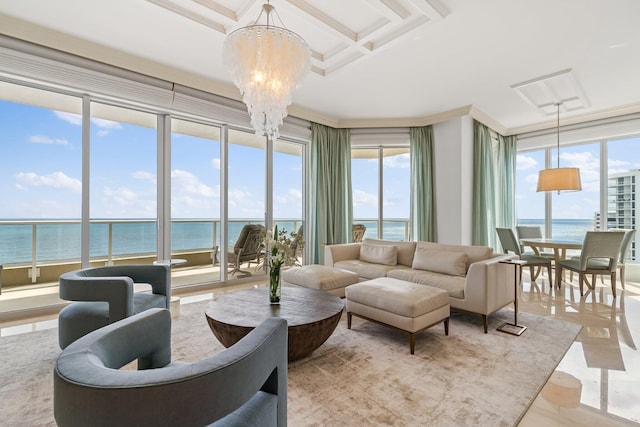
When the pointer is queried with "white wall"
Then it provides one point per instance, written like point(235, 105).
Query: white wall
point(453, 149)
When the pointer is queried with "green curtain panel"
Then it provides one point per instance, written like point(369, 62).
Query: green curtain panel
point(483, 221)
point(506, 182)
point(494, 175)
point(331, 200)
point(423, 201)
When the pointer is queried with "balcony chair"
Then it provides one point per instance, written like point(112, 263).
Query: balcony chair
point(295, 244)
point(358, 232)
point(510, 244)
point(600, 253)
point(247, 247)
point(244, 385)
point(104, 295)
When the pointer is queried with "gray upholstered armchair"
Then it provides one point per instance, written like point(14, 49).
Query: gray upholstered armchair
point(244, 385)
point(105, 295)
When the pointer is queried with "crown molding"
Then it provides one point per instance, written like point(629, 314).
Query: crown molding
point(65, 43)
point(582, 118)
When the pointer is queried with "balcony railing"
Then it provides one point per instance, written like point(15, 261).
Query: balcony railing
point(34, 245)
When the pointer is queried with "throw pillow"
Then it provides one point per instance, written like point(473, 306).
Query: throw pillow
point(379, 254)
point(452, 263)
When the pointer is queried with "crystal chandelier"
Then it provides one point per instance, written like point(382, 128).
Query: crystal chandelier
point(267, 63)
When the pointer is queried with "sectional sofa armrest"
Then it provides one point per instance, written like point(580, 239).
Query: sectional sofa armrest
point(341, 252)
point(488, 287)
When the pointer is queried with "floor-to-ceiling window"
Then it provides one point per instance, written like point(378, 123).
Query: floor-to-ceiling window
point(288, 202)
point(623, 188)
point(608, 170)
point(576, 212)
point(86, 170)
point(195, 200)
point(530, 205)
point(365, 171)
point(246, 188)
point(40, 183)
point(381, 185)
point(395, 195)
point(123, 184)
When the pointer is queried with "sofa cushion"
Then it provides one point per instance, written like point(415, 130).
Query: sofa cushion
point(379, 254)
point(367, 270)
point(454, 285)
point(474, 253)
point(446, 262)
point(405, 249)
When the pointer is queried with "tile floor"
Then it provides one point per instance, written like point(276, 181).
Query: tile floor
point(596, 383)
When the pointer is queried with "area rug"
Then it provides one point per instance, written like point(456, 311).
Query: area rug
point(359, 377)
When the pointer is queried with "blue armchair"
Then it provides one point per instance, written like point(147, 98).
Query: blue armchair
point(244, 385)
point(105, 295)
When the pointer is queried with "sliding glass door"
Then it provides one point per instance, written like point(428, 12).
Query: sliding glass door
point(40, 184)
point(195, 202)
point(123, 183)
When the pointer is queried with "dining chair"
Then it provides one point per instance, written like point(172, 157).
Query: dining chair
point(599, 256)
point(510, 244)
point(532, 232)
point(629, 234)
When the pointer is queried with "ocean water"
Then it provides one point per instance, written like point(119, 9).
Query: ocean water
point(61, 240)
point(564, 229)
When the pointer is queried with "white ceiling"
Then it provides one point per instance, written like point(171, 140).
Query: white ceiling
point(378, 62)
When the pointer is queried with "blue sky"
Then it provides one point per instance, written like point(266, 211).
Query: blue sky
point(624, 155)
point(41, 173)
point(40, 169)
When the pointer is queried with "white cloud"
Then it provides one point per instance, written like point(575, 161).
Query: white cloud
point(184, 182)
point(361, 198)
point(532, 178)
point(524, 162)
point(74, 119)
point(121, 195)
point(105, 124)
point(400, 161)
point(291, 197)
point(215, 163)
point(41, 139)
point(124, 202)
point(145, 176)
point(57, 180)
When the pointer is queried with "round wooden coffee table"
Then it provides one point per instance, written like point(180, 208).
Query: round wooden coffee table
point(312, 316)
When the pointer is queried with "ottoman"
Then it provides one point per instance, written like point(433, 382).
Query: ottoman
point(320, 277)
point(405, 306)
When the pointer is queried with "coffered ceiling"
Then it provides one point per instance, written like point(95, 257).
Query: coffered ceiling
point(378, 62)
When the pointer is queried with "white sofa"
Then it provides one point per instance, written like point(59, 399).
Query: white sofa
point(472, 275)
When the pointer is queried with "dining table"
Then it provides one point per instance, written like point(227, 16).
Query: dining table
point(559, 246)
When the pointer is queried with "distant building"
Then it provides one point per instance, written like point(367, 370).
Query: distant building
point(623, 191)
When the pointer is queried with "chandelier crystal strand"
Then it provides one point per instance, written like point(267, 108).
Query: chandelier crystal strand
point(266, 63)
